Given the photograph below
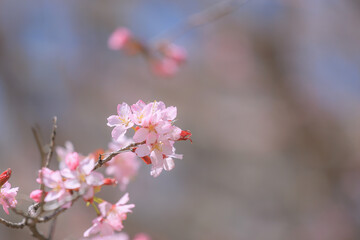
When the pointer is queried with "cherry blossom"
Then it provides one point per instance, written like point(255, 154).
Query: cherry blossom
point(121, 122)
point(53, 180)
point(82, 178)
point(119, 38)
point(36, 195)
point(111, 217)
point(7, 196)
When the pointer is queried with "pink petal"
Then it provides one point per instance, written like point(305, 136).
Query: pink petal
point(124, 199)
point(118, 132)
point(95, 179)
point(140, 135)
point(72, 184)
point(142, 150)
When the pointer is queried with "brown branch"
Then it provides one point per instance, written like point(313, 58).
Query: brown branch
point(39, 143)
point(52, 142)
point(31, 223)
point(46, 162)
point(101, 162)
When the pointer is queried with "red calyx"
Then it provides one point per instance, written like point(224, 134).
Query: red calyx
point(4, 177)
point(185, 135)
point(146, 159)
point(110, 181)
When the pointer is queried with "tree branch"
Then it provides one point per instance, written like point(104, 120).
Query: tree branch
point(101, 162)
point(11, 224)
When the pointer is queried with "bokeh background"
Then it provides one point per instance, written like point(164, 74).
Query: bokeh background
point(271, 93)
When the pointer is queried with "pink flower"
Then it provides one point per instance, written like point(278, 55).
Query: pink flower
point(117, 236)
point(165, 67)
point(7, 196)
point(174, 52)
point(142, 236)
point(82, 178)
point(36, 195)
point(121, 122)
point(161, 153)
point(62, 152)
point(123, 167)
point(111, 217)
point(119, 38)
point(53, 180)
point(72, 160)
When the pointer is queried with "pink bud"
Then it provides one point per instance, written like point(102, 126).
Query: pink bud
point(119, 38)
point(72, 160)
point(36, 195)
point(4, 177)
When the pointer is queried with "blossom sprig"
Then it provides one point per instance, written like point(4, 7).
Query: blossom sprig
point(164, 59)
point(155, 133)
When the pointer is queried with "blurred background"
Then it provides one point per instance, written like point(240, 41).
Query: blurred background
point(270, 92)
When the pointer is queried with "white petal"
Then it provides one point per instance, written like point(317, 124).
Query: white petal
point(169, 164)
point(113, 121)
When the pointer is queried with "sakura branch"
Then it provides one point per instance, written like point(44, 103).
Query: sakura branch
point(154, 136)
point(164, 57)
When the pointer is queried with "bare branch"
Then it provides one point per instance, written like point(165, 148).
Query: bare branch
point(101, 162)
point(46, 162)
point(52, 142)
point(39, 143)
point(11, 224)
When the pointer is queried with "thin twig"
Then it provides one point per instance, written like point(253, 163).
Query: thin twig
point(101, 162)
point(39, 143)
point(204, 17)
point(52, 142)
point(46, 162)
point(11, 224)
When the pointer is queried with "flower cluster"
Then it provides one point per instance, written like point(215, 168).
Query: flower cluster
point(111, 217)
point(164, 60)
point(153, 141)
point(75, 175)
point(7, 194)
point(155, 133)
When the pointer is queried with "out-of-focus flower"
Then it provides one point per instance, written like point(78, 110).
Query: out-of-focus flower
point(111, 217)
point(124, 166)
point(174, 52)
point(142, 236)
point(36, 195)
point(7, 196)
point(165, 67)
point(72, 160)
point(119, 38)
